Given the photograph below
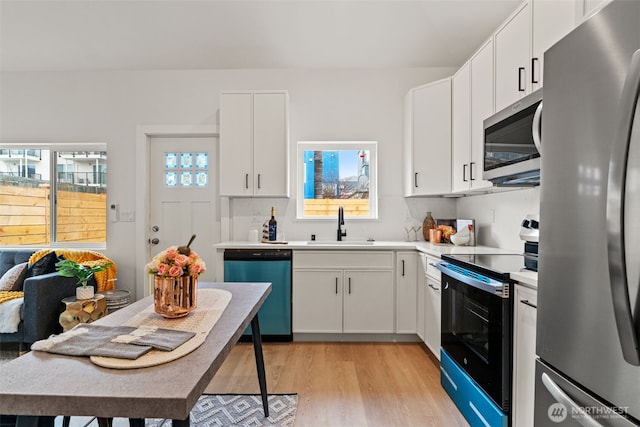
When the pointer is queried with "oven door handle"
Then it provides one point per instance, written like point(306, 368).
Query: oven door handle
point(493, 286)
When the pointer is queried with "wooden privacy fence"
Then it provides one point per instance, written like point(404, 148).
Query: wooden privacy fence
point(329, 207)
point(25, 216)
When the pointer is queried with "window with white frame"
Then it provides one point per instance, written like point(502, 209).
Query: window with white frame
point(53, 194)
point(337, 173)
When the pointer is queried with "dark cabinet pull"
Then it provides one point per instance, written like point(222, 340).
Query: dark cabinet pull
point(402, 268)
point(433, 287)
point(533, 70)
point(415, 179)
point(349, 285)
point(471, 178)
point(526, 302)
point(464, 173)
point(246, 181)
point(336, 286)
point(258, 180)
point(520, 70)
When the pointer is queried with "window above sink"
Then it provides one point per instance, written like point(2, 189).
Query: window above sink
point(337, 173)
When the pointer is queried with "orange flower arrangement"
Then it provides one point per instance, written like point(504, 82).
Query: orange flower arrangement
point(173, 263)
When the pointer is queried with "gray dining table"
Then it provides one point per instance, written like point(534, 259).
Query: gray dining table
point(39, 386)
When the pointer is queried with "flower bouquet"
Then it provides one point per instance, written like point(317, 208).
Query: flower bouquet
point(175, 279)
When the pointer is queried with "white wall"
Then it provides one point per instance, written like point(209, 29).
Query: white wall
point(499, 215)
point(324, 105)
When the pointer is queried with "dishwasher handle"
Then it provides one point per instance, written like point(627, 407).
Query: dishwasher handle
point(257, 254)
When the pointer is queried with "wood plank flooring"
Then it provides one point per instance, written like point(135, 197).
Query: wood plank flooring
point(347, 384)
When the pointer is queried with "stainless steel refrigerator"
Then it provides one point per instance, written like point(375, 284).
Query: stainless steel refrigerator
point(588, 371)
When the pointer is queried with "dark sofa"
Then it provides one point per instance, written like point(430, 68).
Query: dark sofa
point(42, 301)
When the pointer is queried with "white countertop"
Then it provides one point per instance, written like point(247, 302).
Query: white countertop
point(527, 278)
point(426, 247)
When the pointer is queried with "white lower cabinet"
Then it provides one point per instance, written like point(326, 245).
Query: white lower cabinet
point(368, 301)
point(524, 355)
point(432, 311)
point(343, 292)
point(431, 299)
point(407, 270)
point(317, 301)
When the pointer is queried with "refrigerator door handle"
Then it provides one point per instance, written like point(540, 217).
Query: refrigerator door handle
point(627, 331)
point(572, 407)
point(535, 128)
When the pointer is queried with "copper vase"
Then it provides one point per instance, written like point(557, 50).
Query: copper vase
point(174, 296)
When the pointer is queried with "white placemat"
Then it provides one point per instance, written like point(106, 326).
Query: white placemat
point(211, 305)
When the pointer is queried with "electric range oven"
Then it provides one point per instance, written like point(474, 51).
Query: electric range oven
point(477, 316)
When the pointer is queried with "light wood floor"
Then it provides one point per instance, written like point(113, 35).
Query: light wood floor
point(347, 384)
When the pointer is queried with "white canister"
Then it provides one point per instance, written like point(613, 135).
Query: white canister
point(252, 236)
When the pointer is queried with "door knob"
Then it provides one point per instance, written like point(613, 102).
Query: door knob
point(154, 241)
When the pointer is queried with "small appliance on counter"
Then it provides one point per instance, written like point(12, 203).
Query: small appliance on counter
point(529, 233)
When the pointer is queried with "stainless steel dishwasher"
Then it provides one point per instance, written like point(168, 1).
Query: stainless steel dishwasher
point(265, 265)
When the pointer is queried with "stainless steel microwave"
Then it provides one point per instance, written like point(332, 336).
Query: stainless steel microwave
point(512, 143)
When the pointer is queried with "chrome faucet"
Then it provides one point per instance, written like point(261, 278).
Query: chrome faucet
point(341, 233)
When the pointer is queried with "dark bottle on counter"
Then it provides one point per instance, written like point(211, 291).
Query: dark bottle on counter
point(273, 226)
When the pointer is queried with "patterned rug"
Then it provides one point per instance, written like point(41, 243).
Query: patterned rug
point(239, 410)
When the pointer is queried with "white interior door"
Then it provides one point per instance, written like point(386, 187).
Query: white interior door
point(183, 191)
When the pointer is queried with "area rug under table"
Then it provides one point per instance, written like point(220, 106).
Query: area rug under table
point(239, 410)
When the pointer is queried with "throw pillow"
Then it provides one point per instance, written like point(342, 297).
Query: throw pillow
point(13, 279)
point(45, 265)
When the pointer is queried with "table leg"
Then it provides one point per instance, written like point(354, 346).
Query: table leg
point(180, 423)
point(136, 422)
point(104, 422)
point(34, 421)
point(257, 349)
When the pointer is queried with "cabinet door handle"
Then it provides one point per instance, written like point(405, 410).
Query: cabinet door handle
point(530, 304)
point(258, 181)
point(402, 268)
point(520, 70)
point(533, 70)
point(349, 285)
point(464, 173)
point(415, 179)
point(246, 181)
point(471, 178)
point(433, 287)
point(336, 286)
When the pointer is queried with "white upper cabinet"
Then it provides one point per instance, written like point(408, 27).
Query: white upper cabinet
point(472, 104)
point(254, 143)
point(521, 42)
point(461, 108)
point(513, 45)
point(586, 8)
point(552, 20)
point(427, 139)
point(481, 108)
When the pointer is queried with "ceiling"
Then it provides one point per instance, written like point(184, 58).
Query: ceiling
point(218, 34)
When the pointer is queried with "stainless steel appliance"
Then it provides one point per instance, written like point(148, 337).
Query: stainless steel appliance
point(588, 372)
point(512, 143)
point(476, 326)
